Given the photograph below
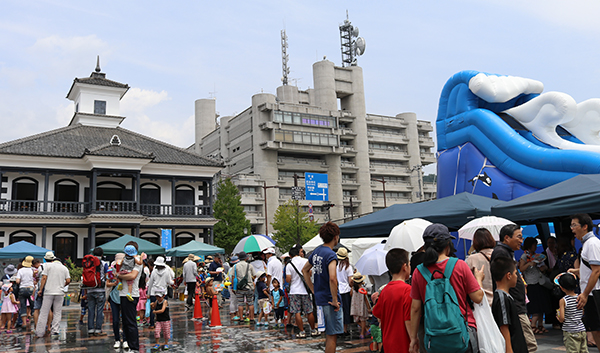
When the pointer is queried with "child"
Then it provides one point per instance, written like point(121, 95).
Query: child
point(278, 302)
point(209, 293)
point(163, 321)
point(125, 266)
point(392, 305)
point(358, 304)
point(83, 302)
point(504, 273)
point(574, 335)
point(10, 307)
point(263, 297)
point(141, 305)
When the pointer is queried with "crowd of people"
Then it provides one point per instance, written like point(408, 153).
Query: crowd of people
point(426, 302)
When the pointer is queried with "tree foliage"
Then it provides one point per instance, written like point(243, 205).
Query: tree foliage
point(229, 211)
point(289, 220)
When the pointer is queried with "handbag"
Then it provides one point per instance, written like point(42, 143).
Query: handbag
point(147, 313)
point(114, 296)
point(488, 334)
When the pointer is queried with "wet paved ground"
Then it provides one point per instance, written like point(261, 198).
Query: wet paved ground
point(193, 336)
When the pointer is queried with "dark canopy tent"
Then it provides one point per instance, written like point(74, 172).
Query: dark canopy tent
point(117, 246)
point(453, 211)
point(21, 249)
point(580, 194)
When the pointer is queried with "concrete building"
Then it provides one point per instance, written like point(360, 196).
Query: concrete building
point(325, 130)
point(82, 185)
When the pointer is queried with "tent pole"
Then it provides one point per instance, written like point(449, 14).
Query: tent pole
point(465, 246)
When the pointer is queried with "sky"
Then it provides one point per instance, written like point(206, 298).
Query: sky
point(172, 53)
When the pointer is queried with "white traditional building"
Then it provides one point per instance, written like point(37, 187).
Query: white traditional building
point(92, 181)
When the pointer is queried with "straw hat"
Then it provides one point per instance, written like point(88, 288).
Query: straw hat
point(357, 277)
point(28, 261)
point(342, 253)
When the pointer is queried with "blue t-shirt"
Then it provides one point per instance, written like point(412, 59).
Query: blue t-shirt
point(212, 268)
point(320, 259)
point(276, 295)
point(261, 287)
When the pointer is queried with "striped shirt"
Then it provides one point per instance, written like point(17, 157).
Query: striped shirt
point(573, 315)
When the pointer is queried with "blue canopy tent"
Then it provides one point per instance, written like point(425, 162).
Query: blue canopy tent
point(21, 249)
point(194, 247)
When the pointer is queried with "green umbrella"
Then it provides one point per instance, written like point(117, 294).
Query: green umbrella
point(117, 246)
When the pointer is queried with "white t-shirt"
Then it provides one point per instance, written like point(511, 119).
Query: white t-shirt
point(275, 270)
point(135, 289)
point(296, 286)
point(57, 274)
point(25, 274)
point(259, 265)
point(591, 253)
point(342, 277)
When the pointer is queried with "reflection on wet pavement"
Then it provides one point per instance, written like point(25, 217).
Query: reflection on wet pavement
point(187, 336)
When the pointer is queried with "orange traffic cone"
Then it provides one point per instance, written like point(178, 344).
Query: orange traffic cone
point(215, 318)
point(197, 308)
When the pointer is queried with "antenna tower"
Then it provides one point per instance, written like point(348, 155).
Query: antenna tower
point(353, 46)
point(284, 58)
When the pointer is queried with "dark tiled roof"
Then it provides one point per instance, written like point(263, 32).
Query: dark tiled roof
point(98, 79)
point(72, 142)
point(118, 151)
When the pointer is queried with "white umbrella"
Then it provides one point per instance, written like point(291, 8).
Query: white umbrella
point(491, 223)
point(407, 235)
point(372, 263)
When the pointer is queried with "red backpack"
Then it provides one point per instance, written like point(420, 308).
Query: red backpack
point(92, 272)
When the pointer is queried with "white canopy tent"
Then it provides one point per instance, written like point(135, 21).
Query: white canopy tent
point(316, 241)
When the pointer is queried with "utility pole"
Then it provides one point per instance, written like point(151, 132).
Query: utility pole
point(265, 187)
point(382, 181)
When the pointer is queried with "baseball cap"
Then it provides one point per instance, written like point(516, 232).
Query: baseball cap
point(436, 232)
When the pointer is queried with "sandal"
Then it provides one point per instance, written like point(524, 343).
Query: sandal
point(301, 334)
point(542, 329)
point(535, 330)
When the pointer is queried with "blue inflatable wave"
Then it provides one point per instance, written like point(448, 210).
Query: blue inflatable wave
point(480, 152)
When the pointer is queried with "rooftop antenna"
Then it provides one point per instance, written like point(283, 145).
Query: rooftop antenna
point(353, 46)
point(284, 58)
point(98, 63)
point(213, 94)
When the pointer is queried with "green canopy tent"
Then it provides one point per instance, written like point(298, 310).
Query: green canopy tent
point(117, 246)
point(194, 247)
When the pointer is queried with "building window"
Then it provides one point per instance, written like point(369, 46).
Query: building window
point(100, 107)
point(24, 195)
point(20, 235)
point(151, 237)
point(184, 200)
point(64, 244)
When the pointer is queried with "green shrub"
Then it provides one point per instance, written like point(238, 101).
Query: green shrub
point(74, 271)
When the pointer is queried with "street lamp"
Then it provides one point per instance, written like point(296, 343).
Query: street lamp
point(265, 187)
point(382, 181)
point(418, 169)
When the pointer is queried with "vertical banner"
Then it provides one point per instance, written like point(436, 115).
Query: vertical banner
point(166, 238)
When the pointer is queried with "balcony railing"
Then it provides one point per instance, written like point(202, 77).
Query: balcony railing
point(175, 210)
point(130, 207)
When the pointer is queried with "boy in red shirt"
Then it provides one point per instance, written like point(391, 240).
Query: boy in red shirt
point(393, 304)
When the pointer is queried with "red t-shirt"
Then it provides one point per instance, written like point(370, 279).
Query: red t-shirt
point(462, 280)
point(393, 308)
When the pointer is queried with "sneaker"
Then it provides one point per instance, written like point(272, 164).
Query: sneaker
point(81, 322)
point(120, 286)
point(129, 297)
point(117, 345)
point(54, 336)
point(246, 320)
point(265, 324)
point(100, 333)
point(125, 345)
point(156, 346)
point(301, 334)
point(236, 318)
point(315, 333)
point(258, 324)
point(166, 347)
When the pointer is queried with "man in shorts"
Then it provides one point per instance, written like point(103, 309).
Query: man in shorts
point(300, 301)
point(323, 262)
point(589, 271)
point(244, 270)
